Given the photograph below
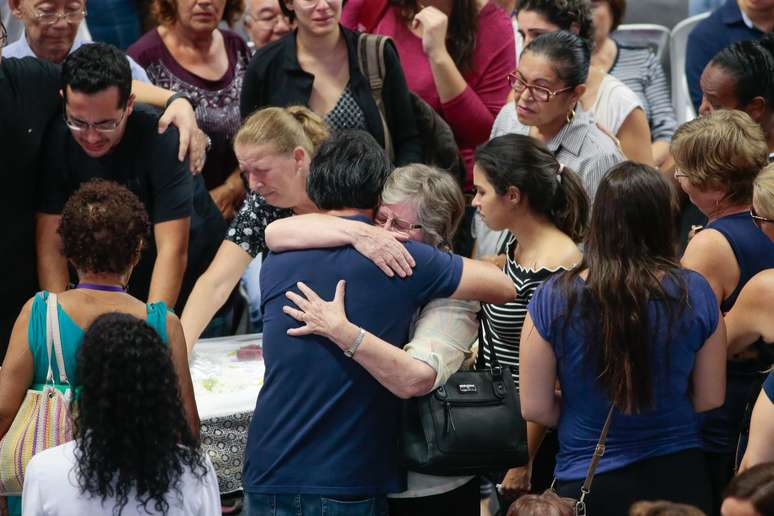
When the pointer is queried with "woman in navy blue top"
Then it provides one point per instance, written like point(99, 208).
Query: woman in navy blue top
point(718, 156)
point(628, 327)
point(750, 323)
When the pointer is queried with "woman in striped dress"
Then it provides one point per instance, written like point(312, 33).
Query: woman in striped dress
point(522, 188)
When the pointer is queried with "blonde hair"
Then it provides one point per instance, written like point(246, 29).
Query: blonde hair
point(763, 191)
point(546, 504)
point(724, 150)
point(436, 195)
point(284, 128)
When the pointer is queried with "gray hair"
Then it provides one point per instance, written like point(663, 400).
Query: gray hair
point(436, 195)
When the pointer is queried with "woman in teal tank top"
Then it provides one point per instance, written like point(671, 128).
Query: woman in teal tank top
point(102, 228)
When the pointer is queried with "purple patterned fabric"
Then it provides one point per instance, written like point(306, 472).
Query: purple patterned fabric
point(217, 111)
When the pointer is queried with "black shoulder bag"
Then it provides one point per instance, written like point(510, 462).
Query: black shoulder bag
point(471, 425)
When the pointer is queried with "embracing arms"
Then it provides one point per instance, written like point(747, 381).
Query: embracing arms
point(444, 333)
point(480, 281)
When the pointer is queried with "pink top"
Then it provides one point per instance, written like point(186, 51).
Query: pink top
point(471, 113)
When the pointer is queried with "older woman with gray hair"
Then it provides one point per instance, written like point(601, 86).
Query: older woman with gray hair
point(418, 203)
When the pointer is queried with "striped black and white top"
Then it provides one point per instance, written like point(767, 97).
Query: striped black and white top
point(501, 324)
point(639, 69)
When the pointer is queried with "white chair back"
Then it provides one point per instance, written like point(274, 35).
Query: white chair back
point(664, 12)
point(650, 35)
point(681, 97)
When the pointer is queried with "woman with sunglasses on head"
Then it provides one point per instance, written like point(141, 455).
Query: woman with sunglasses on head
point(615, 107)
point(749, 324)
point(718, 156)
point(548, 86)
point(317, 66)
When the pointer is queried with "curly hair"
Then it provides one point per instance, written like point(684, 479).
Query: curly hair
point(165, 11)
point(103, 227)
point(130, 425)
point(564, 14)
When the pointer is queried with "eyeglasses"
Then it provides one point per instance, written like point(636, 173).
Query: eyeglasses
point(49, 18)
point(400, 225)
point(268, 21)
point(107, 126)
point(538, 92)
point(758, 220)
point(313, 3)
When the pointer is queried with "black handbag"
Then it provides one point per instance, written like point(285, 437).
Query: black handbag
point(471, 425)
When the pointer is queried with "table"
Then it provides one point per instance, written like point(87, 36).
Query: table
point(226, 390)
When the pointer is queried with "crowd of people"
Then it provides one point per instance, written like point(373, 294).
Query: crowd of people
point(397, 191)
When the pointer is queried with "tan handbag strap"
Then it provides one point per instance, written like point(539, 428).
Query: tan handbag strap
point(54, 340)
point(580, 506)
point(370, 59)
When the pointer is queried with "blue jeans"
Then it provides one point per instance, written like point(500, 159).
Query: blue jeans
point(313, 505)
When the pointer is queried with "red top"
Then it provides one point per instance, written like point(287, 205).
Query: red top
point(471, 113)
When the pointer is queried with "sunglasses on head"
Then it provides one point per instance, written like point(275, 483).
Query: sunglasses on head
point(758, 220)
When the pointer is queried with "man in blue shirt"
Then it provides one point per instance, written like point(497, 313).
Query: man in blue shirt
point(736, 20)
point(323, 434)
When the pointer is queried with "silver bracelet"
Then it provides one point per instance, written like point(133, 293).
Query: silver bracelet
point(356, 344)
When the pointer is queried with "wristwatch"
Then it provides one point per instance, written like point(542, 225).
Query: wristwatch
point(356, 344)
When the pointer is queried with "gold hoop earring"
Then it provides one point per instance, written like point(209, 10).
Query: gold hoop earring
point(571, 115)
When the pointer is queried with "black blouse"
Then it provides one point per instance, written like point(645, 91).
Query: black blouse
point(275, 78)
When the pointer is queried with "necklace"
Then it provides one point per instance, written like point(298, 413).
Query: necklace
point(104, 288)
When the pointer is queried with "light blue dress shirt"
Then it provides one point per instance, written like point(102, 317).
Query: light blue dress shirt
point(21, 48)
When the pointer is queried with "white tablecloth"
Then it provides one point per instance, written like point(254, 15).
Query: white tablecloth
point(226, 390)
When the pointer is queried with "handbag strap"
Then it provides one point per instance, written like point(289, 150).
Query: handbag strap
point(54, 340)
point(580, 505)
point(370, 60)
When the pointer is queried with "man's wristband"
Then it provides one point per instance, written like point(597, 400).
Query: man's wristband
point(180, 95)
point(356, 344)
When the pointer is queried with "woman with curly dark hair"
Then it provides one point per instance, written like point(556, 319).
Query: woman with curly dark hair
point(102, 228)
point(189, 53)
point(455, 53)
point(134, 451)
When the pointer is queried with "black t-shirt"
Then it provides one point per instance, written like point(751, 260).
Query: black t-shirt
point(29, 99)
point(146, 163)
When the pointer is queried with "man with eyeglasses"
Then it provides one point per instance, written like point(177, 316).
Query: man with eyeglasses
point(29, 100)
point(51, 31)
point(105, 134)
point(265, 22)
